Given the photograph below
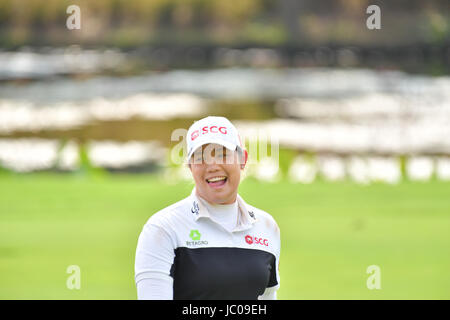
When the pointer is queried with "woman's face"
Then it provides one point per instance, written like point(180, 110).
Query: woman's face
point(217, 173)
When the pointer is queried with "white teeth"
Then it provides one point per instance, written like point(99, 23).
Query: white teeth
point(216, 179)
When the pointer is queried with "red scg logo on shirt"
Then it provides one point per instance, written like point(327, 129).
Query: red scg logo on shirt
point(250, 240)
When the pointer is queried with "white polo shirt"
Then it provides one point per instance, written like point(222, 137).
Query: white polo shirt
point(195, 257)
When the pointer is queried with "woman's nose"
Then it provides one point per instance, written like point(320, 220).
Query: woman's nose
point(213, 165)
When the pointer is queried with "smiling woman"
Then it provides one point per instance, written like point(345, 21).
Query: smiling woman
point(210, 245)
point(217, 172)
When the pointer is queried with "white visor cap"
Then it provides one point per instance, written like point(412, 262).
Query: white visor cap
point(218, 130)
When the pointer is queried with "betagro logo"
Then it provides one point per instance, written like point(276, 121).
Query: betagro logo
point(195, 235)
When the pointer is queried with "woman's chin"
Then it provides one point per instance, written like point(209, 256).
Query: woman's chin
point(219, 197)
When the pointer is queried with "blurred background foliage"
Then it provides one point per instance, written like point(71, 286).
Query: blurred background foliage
point(124, 23)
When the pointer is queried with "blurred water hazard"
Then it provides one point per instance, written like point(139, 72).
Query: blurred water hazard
point(360, 124)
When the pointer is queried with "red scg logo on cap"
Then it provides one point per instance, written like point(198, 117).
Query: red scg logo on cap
point(194, 135)
point(214, 129)
point(209, 129)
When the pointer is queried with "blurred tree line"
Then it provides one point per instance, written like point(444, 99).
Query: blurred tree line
point(131, 23)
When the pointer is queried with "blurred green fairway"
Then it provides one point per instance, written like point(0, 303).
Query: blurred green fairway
point(331, 232)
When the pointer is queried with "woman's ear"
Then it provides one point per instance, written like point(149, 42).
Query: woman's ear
point(244, 159)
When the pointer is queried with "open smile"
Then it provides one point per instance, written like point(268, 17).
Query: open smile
point(217, 182)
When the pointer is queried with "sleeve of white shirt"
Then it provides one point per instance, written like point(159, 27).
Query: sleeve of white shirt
point(154, 258)
point(271, 292)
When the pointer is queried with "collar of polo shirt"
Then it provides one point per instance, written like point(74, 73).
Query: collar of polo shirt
point(246, 217)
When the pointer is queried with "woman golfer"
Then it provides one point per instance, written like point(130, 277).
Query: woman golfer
point(212, 244)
